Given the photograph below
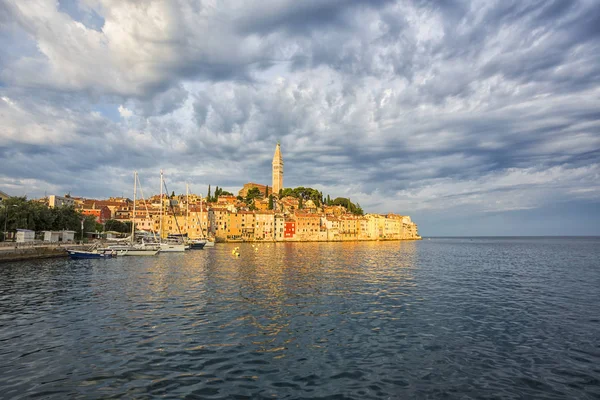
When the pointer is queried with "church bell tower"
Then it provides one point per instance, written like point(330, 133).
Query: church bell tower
point(277, 170)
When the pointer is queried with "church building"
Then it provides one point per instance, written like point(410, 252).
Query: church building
point(277, 170)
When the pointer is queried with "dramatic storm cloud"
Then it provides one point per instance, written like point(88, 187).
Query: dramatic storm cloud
point(478, 117)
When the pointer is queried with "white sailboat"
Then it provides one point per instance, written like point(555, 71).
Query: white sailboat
point(133, 249)
point(205, 238)
point(193, 244)
point(166, 247)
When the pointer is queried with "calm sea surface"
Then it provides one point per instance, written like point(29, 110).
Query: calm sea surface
point(456, 318)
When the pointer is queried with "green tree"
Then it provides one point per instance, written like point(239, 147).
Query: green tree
point(350, 207)
point(270, 202)
point(300, 205)
point(89, 224)
point(253, 193)
point(208, 198)
point(359, 210)
point(117, 226)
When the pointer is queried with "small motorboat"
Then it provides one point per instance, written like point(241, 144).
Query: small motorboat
point(81, 254)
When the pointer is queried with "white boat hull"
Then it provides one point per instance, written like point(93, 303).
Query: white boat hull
point(138, 252)
point(172, 248)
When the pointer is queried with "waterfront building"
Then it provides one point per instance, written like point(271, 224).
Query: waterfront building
point(289, 229)
point(234, 226)
point(279, 221)
point(247, 226)
point(375, 225)
point(308, 226)
point(218, 218)
point(348, 229)
point(277, 170)
point(332, 225)
point(409, 229)
point(392, 228)
point(265, 225)
point(363, 228)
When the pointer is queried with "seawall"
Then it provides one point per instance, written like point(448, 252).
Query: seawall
point(31, 253)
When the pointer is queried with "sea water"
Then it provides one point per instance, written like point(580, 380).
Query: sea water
point(445, 317)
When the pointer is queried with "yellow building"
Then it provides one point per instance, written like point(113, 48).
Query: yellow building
point(265, 225)
point(279, 221)
point(218, 218)
point(308, 226)
point(348, 227)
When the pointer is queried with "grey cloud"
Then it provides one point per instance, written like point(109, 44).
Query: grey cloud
point(300, 17)
point(477, 107)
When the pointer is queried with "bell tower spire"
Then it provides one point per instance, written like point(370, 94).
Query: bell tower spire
point(277, 170)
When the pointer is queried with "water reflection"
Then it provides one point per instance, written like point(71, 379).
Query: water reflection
point(361, 320)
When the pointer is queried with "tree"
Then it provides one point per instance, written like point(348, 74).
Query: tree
point(208, 198)
point(252, 194)
point(328, 200)
point(359, 210)
point(267, 191)
point(270, 202)
point(173, 194)
point(117, 226)
point(300, 205)
point(280, 193)
point(350, 207)
point(89, 224)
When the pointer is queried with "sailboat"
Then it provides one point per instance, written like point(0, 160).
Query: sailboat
point(205, 239)
point(193, 244)
point(168, 246)
point(143, 249)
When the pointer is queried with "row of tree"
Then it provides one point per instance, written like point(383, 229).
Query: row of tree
point(218, 192)
point(20, 213)
point(303, 194)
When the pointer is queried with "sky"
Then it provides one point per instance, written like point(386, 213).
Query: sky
point(473, 117)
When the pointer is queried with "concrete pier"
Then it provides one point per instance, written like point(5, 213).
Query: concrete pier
point(23, 252)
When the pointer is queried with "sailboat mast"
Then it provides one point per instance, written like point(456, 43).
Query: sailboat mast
point(201, 219)
point(133, 217)
point(187, 210)
point(161, 207)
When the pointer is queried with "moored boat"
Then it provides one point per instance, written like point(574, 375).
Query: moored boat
point(143, 249)
point(82, 254)
point(166, 247)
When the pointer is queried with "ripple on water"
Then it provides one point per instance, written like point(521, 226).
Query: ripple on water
point(481, 318)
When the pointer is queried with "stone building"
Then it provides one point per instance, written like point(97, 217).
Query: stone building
point(277, 170)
